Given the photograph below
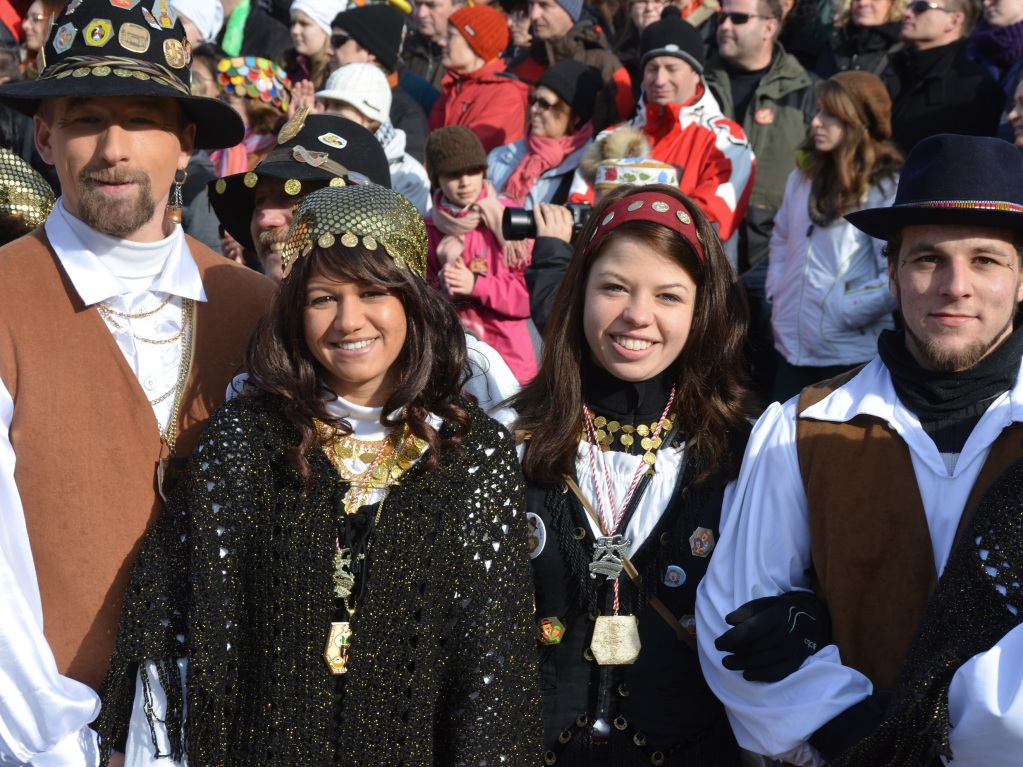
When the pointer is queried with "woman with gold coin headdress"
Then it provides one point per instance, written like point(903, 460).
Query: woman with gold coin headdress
point(341, 576)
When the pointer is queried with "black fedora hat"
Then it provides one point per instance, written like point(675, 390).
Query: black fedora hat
point(952, 180)
point(123, 48)
point(312, 149)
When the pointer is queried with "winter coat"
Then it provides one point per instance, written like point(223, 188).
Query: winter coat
point(776, 122)
point(551, 186)
point(858, 48)
point(715, 162)
point(940, 91)
point(489, 101)
point(828, 285)
point(498, 307)
point(408, 176)
point(584, 42)
point(422, 57)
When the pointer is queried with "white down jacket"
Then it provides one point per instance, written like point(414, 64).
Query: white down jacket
point(828, 286)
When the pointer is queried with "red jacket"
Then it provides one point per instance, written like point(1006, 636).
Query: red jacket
point(491, 103)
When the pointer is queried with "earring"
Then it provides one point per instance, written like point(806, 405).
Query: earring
point(176, 205)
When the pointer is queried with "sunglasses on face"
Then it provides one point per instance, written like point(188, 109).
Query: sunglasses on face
point(738, 19)
point(543, 106)
point(338, 39)
point(922, 6)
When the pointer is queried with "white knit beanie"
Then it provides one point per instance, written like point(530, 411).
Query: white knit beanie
point(363, 87)
point(322, 12)
point(207, 15)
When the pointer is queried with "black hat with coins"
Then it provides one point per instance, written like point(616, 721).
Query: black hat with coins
point(313, 150)
point(123, 48)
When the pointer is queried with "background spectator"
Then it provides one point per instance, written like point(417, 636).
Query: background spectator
point(469, 261)
point(864, 32)
point(360, 92)
point(827, 282)
point(997, 45)
point(562, 31)
point(475, 93)
point(372, 33)
point(539, 167)
point(259, 92)
point(422, 51)
point(33, 27)
point(249, 30)
point(202, 20)
point(309, 55)
point(1015, 115)
point(935, 88)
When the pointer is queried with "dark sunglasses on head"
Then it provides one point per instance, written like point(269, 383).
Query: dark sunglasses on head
point(922, 6)
point(338, 39)
point(739, 18)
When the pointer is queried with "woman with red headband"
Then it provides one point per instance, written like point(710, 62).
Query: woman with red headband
point(630, 434)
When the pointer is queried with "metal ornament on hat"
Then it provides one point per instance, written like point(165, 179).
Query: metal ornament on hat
point(367, 215)
point(656, 207)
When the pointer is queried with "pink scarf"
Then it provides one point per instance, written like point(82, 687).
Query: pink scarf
point(542, 154)
point(455, 224)
point(235, 159)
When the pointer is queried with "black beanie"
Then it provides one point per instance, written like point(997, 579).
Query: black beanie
point(377, 28)
point(673, 37)
point(576, 84)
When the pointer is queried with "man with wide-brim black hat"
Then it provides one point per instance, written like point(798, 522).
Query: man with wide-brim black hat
point(118, 337)
point(313, 151)
point(857, 488)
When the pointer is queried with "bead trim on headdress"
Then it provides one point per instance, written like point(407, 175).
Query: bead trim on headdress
point(103, 66)
point(367, 215)
point(657, 207)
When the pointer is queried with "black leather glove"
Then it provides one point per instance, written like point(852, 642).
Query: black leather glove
point(772, 636)
point(853, 725)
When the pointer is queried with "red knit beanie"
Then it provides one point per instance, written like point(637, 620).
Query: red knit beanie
point(484, 28)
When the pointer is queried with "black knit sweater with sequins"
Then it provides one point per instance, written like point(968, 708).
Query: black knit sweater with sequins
point(237, 576)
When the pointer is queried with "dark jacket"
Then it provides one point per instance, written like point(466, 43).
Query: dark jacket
point(415, 86)
point(940, 91)
point(422, 57)
point(862, 48)
point(584, 42)
point(776, 122)
point(262, 36)
point(407, 115)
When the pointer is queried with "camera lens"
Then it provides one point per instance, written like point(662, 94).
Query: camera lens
point(518, 224)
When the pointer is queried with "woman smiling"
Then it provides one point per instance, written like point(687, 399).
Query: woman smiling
point(344, 564)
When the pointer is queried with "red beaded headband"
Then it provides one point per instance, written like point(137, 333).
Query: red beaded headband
point(656, 207)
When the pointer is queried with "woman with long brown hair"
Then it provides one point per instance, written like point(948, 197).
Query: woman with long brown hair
point(631, 432)
point(826, 280)
point(343, 565)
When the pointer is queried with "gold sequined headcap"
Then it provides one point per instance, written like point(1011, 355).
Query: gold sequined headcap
point(370, 216)
point(24, 194)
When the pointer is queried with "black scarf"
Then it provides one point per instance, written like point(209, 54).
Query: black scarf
point(932, 395)
point(625, 401)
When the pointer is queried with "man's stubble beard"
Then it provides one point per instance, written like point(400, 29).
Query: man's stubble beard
point(116, 217)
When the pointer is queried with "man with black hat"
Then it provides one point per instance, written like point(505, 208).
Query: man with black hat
point(118, 338)
point(686, 128)
point(372, 34)
point(313, 150)
point(858, 488)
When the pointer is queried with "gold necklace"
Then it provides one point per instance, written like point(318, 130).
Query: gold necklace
point(608, 431)
point(386, 459)
point(103, 310)
point(128, 315)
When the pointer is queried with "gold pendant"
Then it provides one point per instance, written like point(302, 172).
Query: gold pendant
point(615, 640)
point(339, 647)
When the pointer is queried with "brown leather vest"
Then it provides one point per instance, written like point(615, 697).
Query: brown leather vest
point(872, 552)
point(85, 437)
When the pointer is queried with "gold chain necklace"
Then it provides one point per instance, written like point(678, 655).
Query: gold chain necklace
point(170, 433)
point(103, 310)
point(608, 431)
point(137, 316)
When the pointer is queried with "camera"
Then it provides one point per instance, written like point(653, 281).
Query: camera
point(519, 224)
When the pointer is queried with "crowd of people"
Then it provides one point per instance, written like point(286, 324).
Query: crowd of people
point(540, 382)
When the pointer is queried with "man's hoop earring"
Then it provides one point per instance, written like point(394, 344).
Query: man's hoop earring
point(175, 207)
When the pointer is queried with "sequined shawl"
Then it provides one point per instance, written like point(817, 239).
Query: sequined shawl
point(443, 661)
point(977, 601)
